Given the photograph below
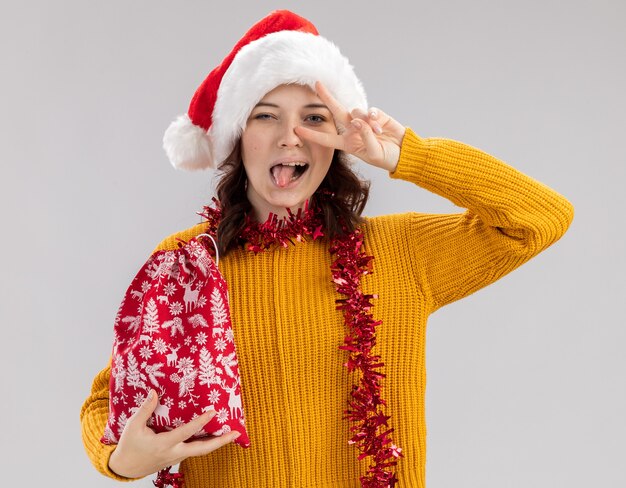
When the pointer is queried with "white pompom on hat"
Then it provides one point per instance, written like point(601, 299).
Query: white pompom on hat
point(281, 48)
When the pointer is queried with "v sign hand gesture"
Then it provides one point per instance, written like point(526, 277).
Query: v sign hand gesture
point(373, 137)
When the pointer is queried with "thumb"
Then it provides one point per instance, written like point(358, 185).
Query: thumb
point(143, 413)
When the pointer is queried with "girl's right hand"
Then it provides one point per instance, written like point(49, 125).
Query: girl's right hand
point(372, 136)
point(141, 451)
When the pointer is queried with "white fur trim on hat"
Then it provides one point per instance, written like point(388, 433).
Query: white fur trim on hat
point(188, 146)
point(276, 59)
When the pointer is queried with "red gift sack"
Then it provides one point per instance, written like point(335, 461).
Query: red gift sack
point(173, 333)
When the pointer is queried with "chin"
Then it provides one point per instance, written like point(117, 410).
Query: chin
point(288, 201)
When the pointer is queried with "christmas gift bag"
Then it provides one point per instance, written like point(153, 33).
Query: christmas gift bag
point(173, 334)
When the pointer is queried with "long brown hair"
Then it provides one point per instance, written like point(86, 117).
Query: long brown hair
point(341, 198)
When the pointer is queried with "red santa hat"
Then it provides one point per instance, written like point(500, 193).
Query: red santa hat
point(281, 48)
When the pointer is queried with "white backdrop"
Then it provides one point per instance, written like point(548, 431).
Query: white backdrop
point(526, 378)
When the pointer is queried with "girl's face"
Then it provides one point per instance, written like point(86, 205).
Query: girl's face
point(283, 169)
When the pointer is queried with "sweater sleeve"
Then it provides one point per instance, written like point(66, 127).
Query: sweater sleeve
point(509, 218)
point(93, 418)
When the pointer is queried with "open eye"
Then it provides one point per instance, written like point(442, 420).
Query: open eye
point(315, 118)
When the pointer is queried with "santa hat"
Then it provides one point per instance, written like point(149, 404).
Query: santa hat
point(282, 48)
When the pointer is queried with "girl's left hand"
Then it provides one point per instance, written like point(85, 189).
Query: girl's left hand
point(373, 137)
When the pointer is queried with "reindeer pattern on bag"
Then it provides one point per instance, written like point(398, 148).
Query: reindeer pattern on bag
point(173, 333)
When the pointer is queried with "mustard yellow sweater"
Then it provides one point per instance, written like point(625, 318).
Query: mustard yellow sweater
point(287, 330)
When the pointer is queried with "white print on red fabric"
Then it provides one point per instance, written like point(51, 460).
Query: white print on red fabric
point(173, 333)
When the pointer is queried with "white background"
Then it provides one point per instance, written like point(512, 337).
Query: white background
point(526, 384)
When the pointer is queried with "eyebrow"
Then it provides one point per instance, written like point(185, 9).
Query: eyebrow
point(310, 105)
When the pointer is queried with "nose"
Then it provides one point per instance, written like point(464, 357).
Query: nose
point(288, 136)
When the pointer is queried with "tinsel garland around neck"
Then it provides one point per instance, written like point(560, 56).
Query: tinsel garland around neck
point(370, 429)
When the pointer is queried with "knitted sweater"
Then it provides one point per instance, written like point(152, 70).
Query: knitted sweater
point(287, 329)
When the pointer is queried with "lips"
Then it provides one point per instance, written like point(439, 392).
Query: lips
point(287, 172)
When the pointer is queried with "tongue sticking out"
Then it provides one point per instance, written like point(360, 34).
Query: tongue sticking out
point(283, 174)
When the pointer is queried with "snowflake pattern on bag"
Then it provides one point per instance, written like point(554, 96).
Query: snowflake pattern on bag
point(173, 333)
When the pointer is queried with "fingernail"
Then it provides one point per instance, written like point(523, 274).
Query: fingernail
point(357, 124)
point(378, 129)
point(373, 114)
point(150, 396)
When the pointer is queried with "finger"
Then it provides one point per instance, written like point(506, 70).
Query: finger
point(206, 445)
point(370, 117)
point(325, 139)
point(371, 144)
point(357, 113)
point(387, 123)
point(144, 412)
point(185, 431)
point(340, 114)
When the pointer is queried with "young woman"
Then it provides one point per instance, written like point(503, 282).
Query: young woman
point(329, 309)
